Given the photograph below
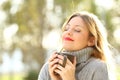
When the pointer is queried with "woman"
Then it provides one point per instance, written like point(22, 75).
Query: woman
point(83, 36)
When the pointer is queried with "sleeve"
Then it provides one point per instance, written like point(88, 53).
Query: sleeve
point(101, 72)
point(44, 73)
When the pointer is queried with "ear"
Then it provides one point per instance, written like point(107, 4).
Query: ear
point(91, 41)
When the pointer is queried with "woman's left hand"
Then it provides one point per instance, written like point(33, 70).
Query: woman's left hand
point(67, 72)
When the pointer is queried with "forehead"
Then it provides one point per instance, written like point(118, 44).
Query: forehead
point(77, 20)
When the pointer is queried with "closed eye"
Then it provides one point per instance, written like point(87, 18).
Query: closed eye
point(77, 30)
point(66, 27)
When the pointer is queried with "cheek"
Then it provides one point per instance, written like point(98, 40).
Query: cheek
point(63, 35)
point(83, 39)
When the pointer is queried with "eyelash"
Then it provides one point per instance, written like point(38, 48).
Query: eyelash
point(66, 29)
point(77, 30)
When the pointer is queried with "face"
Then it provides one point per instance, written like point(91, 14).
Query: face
point(75, 35)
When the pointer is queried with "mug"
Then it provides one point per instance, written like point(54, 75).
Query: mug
point(66, 56)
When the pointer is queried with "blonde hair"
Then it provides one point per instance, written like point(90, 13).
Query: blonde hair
point(98, 31)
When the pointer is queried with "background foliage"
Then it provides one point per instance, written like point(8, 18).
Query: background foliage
point(35, 19)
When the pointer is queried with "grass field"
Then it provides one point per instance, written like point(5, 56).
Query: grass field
point(118, 73)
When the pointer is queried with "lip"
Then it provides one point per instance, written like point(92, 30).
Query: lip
point(68, 39)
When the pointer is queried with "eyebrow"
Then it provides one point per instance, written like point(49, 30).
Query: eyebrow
point(75, 25)
point(78, 25)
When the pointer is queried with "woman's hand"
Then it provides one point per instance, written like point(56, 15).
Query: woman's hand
point(52, 66)
point(67, 72)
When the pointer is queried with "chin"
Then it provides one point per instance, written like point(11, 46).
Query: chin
point(68, 48)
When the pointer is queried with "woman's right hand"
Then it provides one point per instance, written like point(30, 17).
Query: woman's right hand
point(52, 66)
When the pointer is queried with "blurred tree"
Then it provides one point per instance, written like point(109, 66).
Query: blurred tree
point(30, 20)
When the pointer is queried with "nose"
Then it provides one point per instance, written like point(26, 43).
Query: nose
point(69, 32)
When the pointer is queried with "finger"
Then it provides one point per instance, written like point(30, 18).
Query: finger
point(55, 61)
point(54, 67)
point(60, 68)
point(52, 70)
point(53, 56)
point(60, 57)
point(62, 63)
point(57, 71)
